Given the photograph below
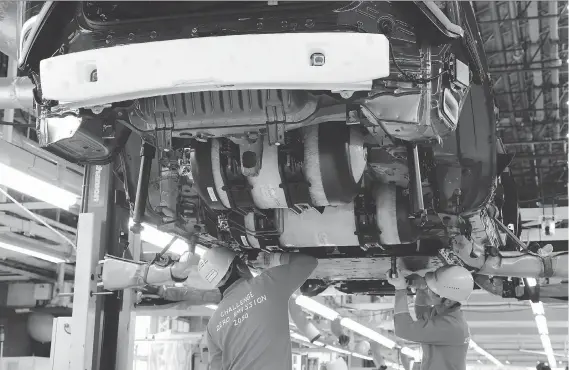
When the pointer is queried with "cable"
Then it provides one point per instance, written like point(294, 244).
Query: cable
point(421, 81)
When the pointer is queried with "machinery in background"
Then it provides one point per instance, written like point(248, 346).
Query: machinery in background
point(355, 151)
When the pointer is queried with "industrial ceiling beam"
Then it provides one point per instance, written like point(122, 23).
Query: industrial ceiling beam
point(26, 273)
point(12, 278)
point(521, 123)
point(520, 18)
point(545, 86)
point(526, 69)
point(28, 205)
point(521, 168)
point(525, 64)
point(521, 142)
point(530, 110)
point(541, 156)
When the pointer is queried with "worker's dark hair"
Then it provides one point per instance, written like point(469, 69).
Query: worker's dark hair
point(456, 304)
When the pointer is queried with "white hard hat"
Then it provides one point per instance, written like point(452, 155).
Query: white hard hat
point(214, 264)
point(451, 282)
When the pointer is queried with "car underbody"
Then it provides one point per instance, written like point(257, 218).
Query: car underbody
point(355, 132)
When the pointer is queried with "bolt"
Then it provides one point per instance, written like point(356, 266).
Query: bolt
point(153, 34)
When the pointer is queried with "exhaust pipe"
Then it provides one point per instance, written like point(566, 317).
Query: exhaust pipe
point(16, 93)
point(510, 264)
point(526, 265)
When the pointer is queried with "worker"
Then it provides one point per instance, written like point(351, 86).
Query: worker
point(440, 327)
point(250, 328)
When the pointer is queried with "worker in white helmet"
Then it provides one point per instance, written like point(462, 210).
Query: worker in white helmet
point(250, 328)
point(440, 327)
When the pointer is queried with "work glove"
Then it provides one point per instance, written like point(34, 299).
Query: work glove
point(180, 269)
point(266, 260)
point(418, 283)
point(399, 282)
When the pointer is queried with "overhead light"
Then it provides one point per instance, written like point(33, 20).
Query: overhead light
point(355, 354)
point(477, 348)
point(152, 235)
point(546, 342)
point(211, 306)
point(316, 307)
point(36, 188)
point(299, 337)
point(367, 332)
point(330, 314)
point(394, 365)
point(537, 308)
point(541, 324)
point(32, 253)
point(411, 353)
point(339, 350)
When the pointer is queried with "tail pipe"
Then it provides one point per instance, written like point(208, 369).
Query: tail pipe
point(527, 265)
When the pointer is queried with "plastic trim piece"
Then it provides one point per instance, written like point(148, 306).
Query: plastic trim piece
point(261, 61)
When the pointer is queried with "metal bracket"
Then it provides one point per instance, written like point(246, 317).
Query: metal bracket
point(251, 153)
point(352, 115)
point(276, 119)
point(163, 135)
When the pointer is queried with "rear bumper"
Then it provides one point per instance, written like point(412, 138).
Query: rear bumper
point(262, 61)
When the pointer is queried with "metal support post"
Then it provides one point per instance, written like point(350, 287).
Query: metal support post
point(127, 317)
point(87, 316)
point(2, 337)
point(92, 326)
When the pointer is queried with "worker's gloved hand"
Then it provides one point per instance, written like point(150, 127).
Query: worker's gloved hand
point(180, 269)
point(344, 340)
point(266, 260)
point(418, 283)
point(398, 282)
